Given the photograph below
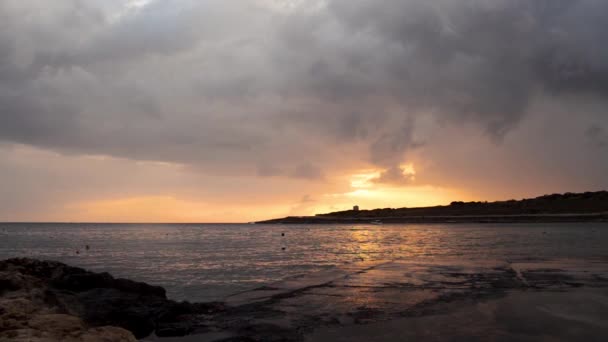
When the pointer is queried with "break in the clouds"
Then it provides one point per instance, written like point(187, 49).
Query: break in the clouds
point(307, 89)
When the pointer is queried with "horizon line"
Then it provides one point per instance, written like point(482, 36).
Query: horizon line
point(109, 222)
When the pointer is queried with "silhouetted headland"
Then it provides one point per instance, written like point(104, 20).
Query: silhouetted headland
point(568, 207)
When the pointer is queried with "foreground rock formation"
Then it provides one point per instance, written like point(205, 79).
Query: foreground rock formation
point(50, 301)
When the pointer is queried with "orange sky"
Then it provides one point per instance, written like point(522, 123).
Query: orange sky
point(42, 185)
point(104, 189)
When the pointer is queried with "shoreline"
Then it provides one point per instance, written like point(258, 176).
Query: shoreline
point(335, 304)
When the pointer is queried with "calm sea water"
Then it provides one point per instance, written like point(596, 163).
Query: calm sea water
point(203, 262)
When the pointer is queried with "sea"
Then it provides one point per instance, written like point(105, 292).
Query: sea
point(208, 262)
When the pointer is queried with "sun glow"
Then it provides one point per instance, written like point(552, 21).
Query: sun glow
point(368, 190)
point(408, 171)
point(364, 179)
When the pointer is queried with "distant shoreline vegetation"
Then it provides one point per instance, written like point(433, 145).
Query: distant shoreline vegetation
point(568, 207)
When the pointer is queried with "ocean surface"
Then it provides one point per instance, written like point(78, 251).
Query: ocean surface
point(205, 262)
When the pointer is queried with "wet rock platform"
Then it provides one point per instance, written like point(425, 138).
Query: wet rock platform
point(393, 299)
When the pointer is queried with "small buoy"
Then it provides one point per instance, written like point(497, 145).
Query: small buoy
point(87, 247)
point(283, 248)
point(77, 252)
point(282, 234)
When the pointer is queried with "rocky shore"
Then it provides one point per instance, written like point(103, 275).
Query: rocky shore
point(50, 301)
point(380, 300)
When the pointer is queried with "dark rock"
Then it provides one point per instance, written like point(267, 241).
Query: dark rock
point(138, 287)
point(174, 329)
point(8, 284)
point(209, 308)
point(268, 333)
point(102, 300)
point(74, 280)
point(134, 312)
point(238, 339)
point(171, 311)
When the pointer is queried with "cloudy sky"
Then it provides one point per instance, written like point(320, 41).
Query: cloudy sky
point(229, 111)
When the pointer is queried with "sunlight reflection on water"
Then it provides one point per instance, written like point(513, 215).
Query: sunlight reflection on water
point(207, 262)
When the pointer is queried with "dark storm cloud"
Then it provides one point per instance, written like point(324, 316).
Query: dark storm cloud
point(307, 171)
point(224, 85)
point(484, 60)
point(394, 175)
point(597, 135)
point(28, 121)
point(388, 148)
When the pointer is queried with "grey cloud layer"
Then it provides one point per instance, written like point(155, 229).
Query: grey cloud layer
point(224, 85)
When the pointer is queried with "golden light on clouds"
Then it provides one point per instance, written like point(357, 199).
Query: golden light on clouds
point(94, 188)
point(382, 196)
point(367, 191)
point(364, 179)
point(364, 191)
point(361, 187)
point(408, 171)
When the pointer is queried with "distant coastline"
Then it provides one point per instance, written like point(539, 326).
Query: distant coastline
point(568, 207)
